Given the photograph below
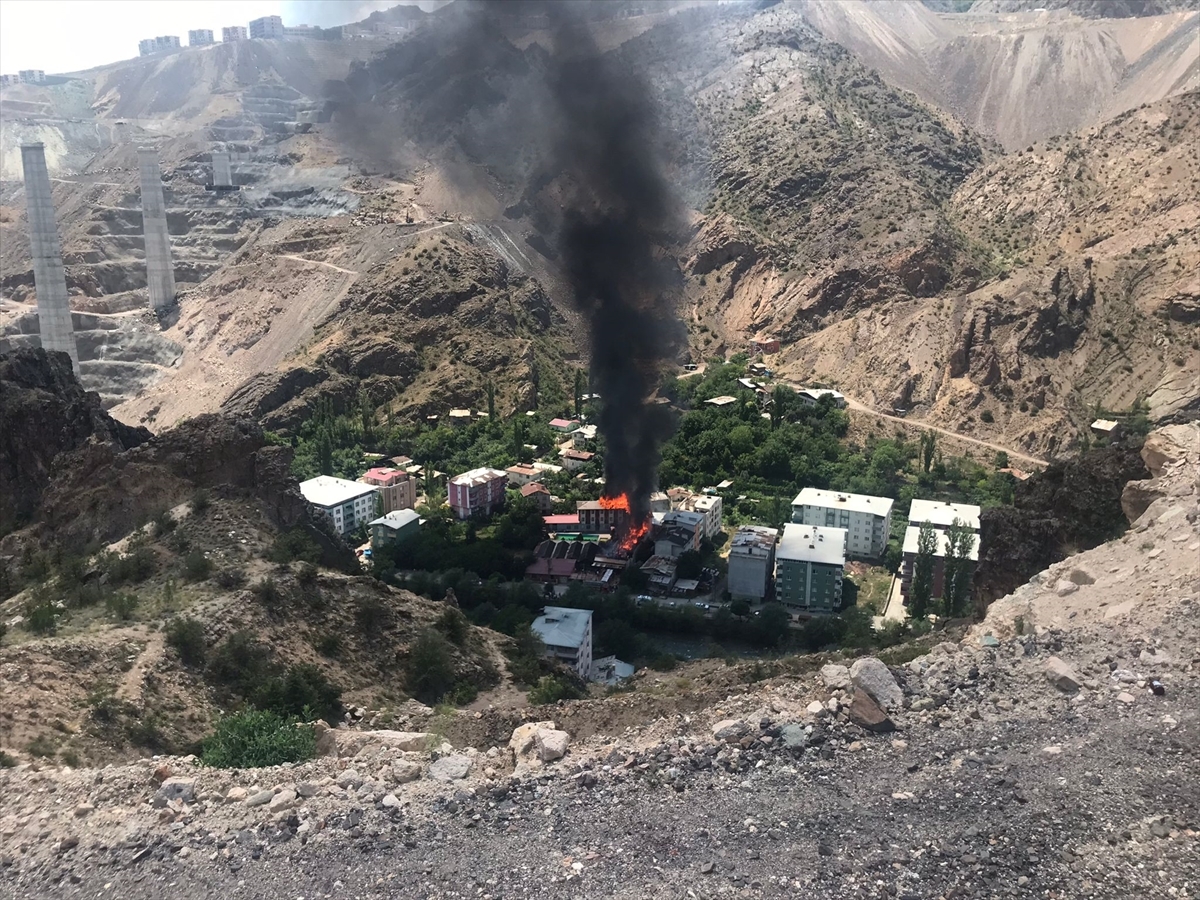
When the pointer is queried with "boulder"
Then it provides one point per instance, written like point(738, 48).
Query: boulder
point(793, 736)
point(836, 678)
point(183, 789)
point(347, 742)
point(404, 771)
point(1061, 675)
point(1166, 446)
point(523, 737)
point(730, 730)
point(872, 676)
point(868, 715)
point(551, 744)
point(285, 799)
point(1063, 587)
point(450, 768)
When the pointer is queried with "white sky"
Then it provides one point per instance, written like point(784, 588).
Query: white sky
point(71, 35)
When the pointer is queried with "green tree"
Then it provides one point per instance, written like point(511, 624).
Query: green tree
point(579, 386)
point(690, 564)
point(922, 584)
point(960, 541)
point(928, 449)
point(740, 608)
point(490, 389)
point(430, 670)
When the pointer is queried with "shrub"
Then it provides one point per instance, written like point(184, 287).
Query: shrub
point(196, 566)
point(306, 574)
point(43, 745)
point(164, 523)
point(70, 757)
point(430, 671)
point(200, 502)
point(330, 645)
point(986, 416)
point(41, 617)
point(240, 663)
point(303, 690)
point(370, 616)
point(454, 625)
point(133, 567)
point(186, 636)
point(256, 738)
point(121, 606)
point(463, 693)
point(294, 545)
point(268, 593)
point(552, 688)
point(7, 760)
point(230, 579)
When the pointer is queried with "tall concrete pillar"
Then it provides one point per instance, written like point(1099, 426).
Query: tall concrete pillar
point(222, 170)
point(49, 277)
point(160, 274)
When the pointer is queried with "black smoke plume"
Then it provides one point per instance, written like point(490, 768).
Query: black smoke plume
point(619, 210)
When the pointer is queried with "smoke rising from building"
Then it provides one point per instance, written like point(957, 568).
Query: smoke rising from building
point(619, 209)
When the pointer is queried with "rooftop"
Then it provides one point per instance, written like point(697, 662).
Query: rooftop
point(876, 506)
point(562, 519)
point(818, 393)
point(753, 540)
point(396, 519)
point(912, 533)
point(1104, 424)
point(562, 627)
point(384, 475)
point(939, 513)
point(528, 490)
point(812, 543)
point(478, 476)
point(583, 455)
point(521, 470)
point(325, 490)
point(721, 401)
point(563, 423)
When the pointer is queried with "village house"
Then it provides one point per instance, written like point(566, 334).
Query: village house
point(522, 474)
point(479, 491)
point(723, 400)
point(811, 396)
point(597, 519)
point(346, 504)
point(574, 460)
point(397, 525)
point(810, 563)
point(564, 425)
point(562, 523)
point(751, 562)
point(867, 519)
point(538, 493)
point(459, 416)
point(581, 435)
point(764, 346)
point(397, 489)
point(1107, 429)
point(567, 635)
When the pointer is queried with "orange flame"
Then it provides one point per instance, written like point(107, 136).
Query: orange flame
point(633, 531)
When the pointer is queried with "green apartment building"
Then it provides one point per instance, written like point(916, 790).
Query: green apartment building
point(809, 562)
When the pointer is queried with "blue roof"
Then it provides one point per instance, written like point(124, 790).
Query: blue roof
point(562, 627)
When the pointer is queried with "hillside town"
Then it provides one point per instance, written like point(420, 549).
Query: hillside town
point(689, 557)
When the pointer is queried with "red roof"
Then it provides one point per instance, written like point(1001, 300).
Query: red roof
point(562, 423)
point(563, 519)
point(534, 488)
point(384, 474)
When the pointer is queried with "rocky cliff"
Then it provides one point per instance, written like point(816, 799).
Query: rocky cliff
point(44, 413)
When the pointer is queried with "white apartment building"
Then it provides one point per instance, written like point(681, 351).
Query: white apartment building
point(941, 515)
point(567, 634)
point(867, 520)
point(347, 504)
point(751, 562)
point(200, 37)
point(268, 27)
point(234, 33)
point(709, 506)
point(31, 76)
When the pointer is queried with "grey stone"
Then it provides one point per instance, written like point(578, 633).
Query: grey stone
point(836, 677)
point(262, 798)
point(1063, 587)
point(404, 771)
point(1061, 675)
point(872, 676)
point(551, 744)
point(793, 736)
point(730, 730)
point(306, 789)
point(450, 768)
point(1158, 658)
point(285, 799)
point(183, 789)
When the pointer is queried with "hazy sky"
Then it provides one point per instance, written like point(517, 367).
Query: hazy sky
point(70, 35)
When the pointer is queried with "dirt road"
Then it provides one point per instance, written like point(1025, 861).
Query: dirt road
point(859, 406)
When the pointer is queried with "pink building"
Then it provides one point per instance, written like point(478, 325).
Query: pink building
point(478, 491)
point(396, 487)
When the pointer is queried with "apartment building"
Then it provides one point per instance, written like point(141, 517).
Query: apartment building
point(479, 491)
point(200, 37)
point(347, 504)
point(234, 33)
point(397, 525)
point(752, 562)
point(397, 489)
point(266, 28)
point(941, 515)
point(809, 564)
point(912, 536)
point(567, 634)
point(867, 520)
point(164, 43)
